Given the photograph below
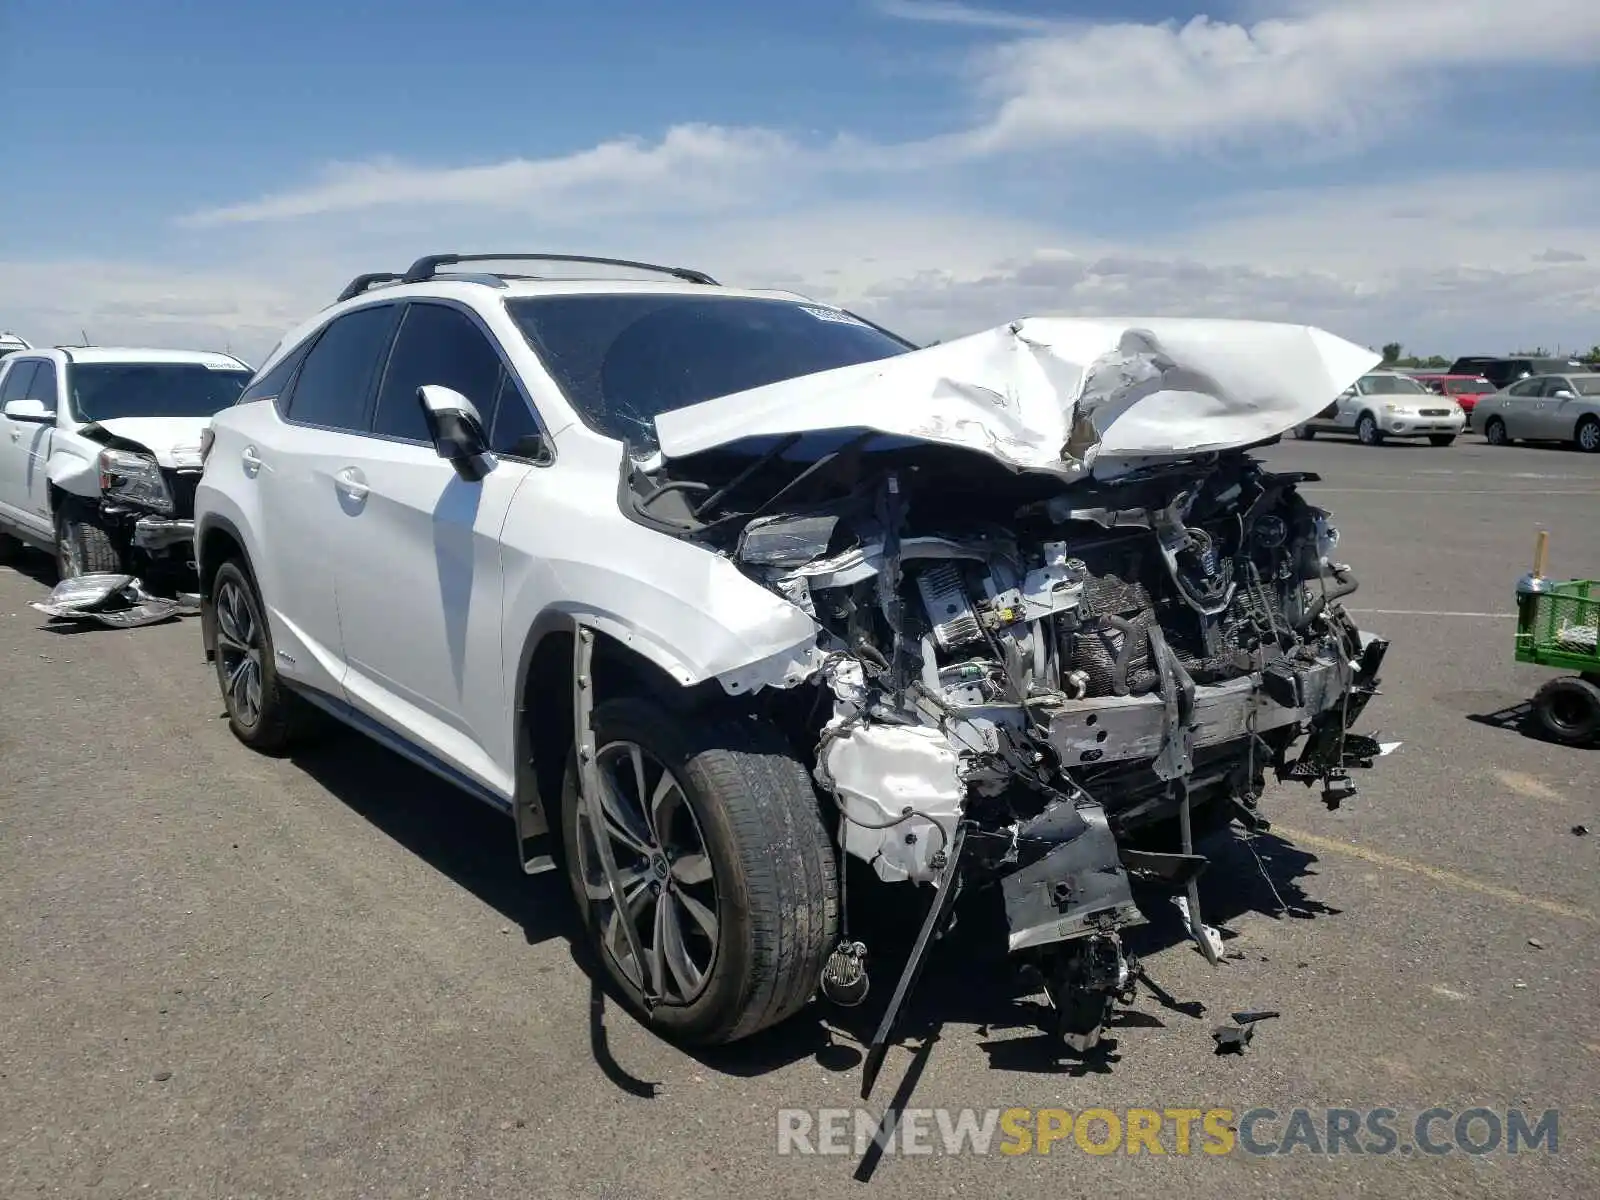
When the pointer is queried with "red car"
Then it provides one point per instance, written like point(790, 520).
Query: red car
point(1463, 389)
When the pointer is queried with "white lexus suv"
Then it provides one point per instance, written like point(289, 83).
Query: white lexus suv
point(100, 451)
point(712, 590)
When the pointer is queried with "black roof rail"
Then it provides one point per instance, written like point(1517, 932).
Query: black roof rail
point(424, 268)
point(362, 282)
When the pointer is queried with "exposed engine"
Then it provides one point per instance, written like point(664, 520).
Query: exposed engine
point(1051, 689)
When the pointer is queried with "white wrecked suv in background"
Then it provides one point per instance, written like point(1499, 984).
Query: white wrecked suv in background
point(100, 452)
point(716, 587)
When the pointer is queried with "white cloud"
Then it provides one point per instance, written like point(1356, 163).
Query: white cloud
point(697, 166)
point(1339, 69)
point(949, 12)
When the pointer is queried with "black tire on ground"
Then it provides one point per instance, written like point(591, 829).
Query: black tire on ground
point(1587, 435)
point(263, 713)
point(1441, 439)
point(82, 546)
point(10, 547)
point(1568, 710)
point(1304, 433)
point(773, 886)
point(1367, 431)
point(1495, 432)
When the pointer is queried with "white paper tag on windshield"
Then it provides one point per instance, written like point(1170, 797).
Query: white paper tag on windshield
point(832, 314)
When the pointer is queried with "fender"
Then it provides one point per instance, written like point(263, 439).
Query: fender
point(73, 473)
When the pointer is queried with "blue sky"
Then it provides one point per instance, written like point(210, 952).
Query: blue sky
point(1423, 170)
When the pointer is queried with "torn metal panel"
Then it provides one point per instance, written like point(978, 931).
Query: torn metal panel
point(1075, 883)
point(1056, 394)
point(119, 601)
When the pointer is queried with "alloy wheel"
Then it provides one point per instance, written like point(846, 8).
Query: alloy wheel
point(668, 885)
point(1589, 436)
point(239, 651)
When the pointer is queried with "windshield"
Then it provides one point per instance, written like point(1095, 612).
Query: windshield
point(1392, 385)
point(104, 391)
point(621, 360)
point(1468, 387)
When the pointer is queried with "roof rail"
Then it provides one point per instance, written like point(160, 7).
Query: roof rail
point(424, 268)
point(362, 282)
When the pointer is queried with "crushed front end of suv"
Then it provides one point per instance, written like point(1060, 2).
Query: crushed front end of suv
point(769, 588)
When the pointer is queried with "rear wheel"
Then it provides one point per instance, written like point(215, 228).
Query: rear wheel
point(82, 546)
point(1568, 710)
point(263, 713)
point(1495, 432)
point(1587, 435)
point(1441, 439)
point(1367, 431)
point(728, 875)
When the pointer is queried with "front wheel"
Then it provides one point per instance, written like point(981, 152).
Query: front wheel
point(1441, 439)
point(1367, 431)
point(1588, 435)
point(1495, 432)
point(727, 873)
point(83, 547)
point(263, 713)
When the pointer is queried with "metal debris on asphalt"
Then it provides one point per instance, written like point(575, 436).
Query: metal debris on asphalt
point(120, 601)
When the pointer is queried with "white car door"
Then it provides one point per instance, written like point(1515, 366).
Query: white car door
point(25, 445)
point(419, 558)
point(295, 460)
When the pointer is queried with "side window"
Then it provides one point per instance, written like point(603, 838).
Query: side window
point(271, 385)
point(18, 378)
point(43, 387)
point(441, 345)
point(336, 381)
point(513, 429)
point(1556, 383)
point(1528, 387)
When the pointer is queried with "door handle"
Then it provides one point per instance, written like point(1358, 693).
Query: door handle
point(350, 482)
point(251, 461)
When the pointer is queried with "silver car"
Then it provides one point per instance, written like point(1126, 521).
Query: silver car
point(1387, 404)
point(1544, 408)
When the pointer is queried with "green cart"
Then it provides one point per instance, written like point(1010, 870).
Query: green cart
point(1558, 625)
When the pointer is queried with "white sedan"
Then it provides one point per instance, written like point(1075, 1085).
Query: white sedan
point(1554, 408)
point(1387, 404)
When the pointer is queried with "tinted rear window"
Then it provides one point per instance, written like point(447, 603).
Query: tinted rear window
point(621, 360)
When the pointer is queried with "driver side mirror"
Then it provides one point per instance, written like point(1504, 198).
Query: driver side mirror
point(1565, 394)
point(29, 410)
point(457, 431)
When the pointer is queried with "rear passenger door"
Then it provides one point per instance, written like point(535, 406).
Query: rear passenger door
point(295, 460)
point(418, 553)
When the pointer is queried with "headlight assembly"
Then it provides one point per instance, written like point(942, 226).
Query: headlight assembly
point(133, 479)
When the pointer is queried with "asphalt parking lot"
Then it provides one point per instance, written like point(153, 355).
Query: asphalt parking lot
point(225, 975)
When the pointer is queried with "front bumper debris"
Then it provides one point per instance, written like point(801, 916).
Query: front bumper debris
point(157, 534)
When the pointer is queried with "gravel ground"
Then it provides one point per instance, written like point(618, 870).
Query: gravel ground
point(226, 975)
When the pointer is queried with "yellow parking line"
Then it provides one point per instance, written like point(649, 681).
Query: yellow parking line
point(1437, 874)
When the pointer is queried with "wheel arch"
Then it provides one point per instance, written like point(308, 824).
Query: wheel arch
point(543, 728)
point(216, 540)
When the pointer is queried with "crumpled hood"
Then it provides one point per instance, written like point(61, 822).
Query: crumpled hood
point(1069, 396)
point(175, 441)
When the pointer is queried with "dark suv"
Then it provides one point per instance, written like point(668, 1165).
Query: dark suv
point(1503, 372)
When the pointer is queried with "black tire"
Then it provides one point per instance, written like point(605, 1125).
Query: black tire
point(280, 718)
point(1568, 711)
point(1305, 433)
point(1495, 432)
point(10, 548)
point(1587, 435)
point(773, 883)
point(82, 546)
point(1442, 439)
point(1367, 431)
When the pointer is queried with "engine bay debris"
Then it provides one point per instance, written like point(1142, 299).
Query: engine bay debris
point(1068, 622)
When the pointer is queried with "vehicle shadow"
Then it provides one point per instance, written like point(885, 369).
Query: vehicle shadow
point(1518, 718)
point(968, 977)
